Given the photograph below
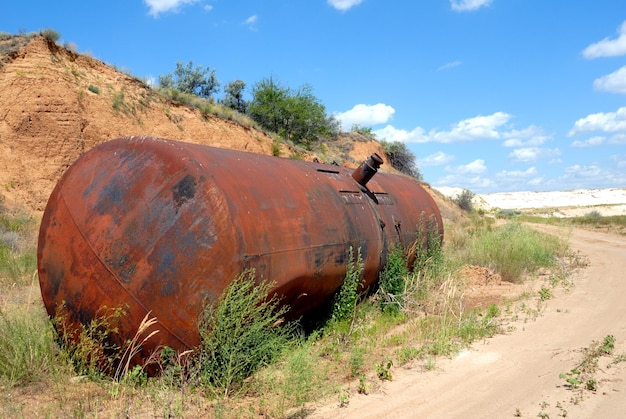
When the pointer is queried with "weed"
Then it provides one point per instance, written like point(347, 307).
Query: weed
point(347, 297)
point(344, 397)
point(240, 334)
point(545, 293)
point(383, 370)
point(364, 386)
point(28, 348)
point(132, 348)
point(276, 148)
point(392, 280)
point(356, 361)
point(582, 374)
point(91, 348)
point(93, 89)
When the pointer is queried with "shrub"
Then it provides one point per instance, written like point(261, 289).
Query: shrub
point(401, 158)
point(464, 200)
point(240, 334)
point(392, 280)
point(50, 34)
point(93, 89)
point(346, 298)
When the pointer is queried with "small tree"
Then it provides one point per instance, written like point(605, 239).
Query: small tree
point(296, 115)
point(401, 158)
point(464, 200)
point(234, 96)
point(187, 79)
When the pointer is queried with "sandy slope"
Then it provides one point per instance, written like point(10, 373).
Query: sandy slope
point(518, 373)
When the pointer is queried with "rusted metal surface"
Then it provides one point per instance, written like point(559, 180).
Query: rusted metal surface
point(161, 227)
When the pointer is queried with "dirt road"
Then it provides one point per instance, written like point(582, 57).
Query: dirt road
point(517, 374)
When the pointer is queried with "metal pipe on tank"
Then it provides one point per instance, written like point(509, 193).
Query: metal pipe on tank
point(161, 227)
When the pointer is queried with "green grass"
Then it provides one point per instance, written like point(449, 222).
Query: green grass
point(18, 258)
point(28, 348)
point(250, 362)
point(512, 250)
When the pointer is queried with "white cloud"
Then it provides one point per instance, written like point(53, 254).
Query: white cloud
point(477, 128)
point(476, 167)
point(468, 176)
point(392, 134)
point(250, 21)
point(344, 5)
point(584, 171)
point(366, 115)
point(614, 82)
point(449, 65)
point(467, 5)
point(608, 47)
point(436, 159)
point(530, 136)
point(605, 122)
point(619, 138)
point(161, 6)
point(474, 183)
point(471, 129)
point(532, 154)
point(590, 142)
point(508, 174)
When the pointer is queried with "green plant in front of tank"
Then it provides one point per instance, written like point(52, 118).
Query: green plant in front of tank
point(240, 333)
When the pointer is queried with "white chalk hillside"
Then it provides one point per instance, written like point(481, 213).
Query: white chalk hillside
point(611, 201)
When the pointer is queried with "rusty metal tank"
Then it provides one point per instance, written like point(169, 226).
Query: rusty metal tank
point(161, 227)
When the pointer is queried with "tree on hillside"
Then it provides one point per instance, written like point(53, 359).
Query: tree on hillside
point(187, 79)
point(401, 158)
point(233, 96)
point(295, 115)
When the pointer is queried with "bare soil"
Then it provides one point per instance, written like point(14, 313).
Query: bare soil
point(56, 104)
point(517, 374)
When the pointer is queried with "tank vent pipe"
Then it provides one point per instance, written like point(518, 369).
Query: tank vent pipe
point(367, 169)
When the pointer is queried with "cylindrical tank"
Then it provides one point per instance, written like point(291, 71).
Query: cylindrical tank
point(162, 227)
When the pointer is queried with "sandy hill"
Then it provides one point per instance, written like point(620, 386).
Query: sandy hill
point(56, 104)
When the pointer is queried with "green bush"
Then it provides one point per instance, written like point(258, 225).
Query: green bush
point(393, 279)
point(347, 297)
point(50, 35)
point(401, 158)
point(464, 200)
point(240, 333)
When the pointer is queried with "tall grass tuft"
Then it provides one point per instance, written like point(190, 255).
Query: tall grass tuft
point(512, 250)
point(28, 349)
point(240, 333)
point(18, 259)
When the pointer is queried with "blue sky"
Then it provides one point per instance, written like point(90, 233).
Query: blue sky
point(490, 95)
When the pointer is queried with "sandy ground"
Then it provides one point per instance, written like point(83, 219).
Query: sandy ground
point(517, 374)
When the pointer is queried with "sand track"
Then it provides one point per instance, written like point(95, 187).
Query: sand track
point(517, 374)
